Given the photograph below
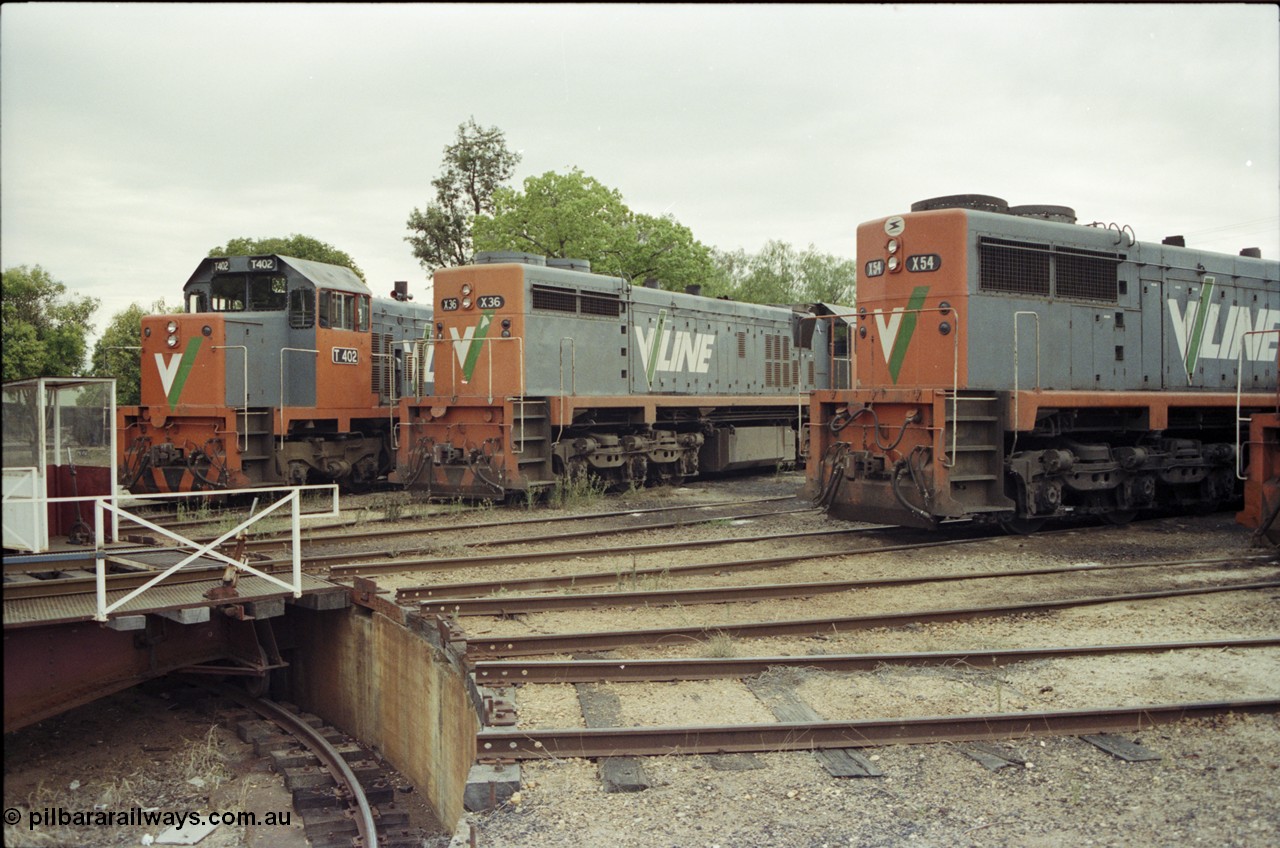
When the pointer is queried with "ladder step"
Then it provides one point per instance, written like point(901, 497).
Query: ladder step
point(973, 448)
point(971, 478)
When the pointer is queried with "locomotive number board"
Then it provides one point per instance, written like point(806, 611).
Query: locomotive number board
point(346, 356)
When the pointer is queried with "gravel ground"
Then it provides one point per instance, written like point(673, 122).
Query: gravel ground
point(1214, 784)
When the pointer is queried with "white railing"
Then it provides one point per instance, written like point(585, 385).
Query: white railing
point(293, 498)
point(25, 516)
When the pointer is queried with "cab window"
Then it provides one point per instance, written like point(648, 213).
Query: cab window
point(344, 311)
point(302, 309)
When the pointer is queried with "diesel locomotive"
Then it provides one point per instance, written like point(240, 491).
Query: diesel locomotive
point(1013, 365)
point(281, 371)
point(546, 371)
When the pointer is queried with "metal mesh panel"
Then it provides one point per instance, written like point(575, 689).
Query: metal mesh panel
point(601, 304)
point(558, 300)
point(1085, 275)
point(1010, 266)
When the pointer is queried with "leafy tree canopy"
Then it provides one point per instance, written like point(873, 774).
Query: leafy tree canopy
point(116, 353)
point(475, 166)
point(299, 247)
point(779, 273)
point(44, 330)
point(576, 216)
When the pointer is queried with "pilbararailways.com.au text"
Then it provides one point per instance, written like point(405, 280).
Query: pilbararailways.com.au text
point(140, 817)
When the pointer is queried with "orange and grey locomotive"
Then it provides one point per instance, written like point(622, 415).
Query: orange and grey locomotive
point(545, 371)
point(1013, 365)
point(280, 371)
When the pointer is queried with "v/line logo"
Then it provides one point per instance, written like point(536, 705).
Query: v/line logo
point(671, 351)
point(175, 370)
point(896, 329)
point(1200, 331)
point(467, 344)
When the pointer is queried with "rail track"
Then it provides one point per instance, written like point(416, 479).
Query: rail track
point(597, 742)
point(359, 785)
point(530, 665)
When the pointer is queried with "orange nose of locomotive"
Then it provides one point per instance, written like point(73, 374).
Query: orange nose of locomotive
point(180, 366)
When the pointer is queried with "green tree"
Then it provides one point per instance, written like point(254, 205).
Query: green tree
point(475, 167)
point(576, 216)
point(116, 353)
point(779, 273)
point(299, 247)
point(44, 330)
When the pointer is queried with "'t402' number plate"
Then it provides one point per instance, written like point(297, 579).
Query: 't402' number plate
point(346, 356)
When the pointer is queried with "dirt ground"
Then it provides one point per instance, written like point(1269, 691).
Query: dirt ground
point(160, 748)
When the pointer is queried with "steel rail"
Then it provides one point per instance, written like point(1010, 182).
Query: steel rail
point(548, 537)
point(534, 744)
point(559, 643)
point(447, 563)
point(518, 604)
point(596, 578)
point(509, 672)
point(318, 745)
point(266, 540)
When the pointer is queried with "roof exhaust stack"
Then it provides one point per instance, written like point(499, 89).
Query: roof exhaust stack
point(1252, 252)
point(1174, 241)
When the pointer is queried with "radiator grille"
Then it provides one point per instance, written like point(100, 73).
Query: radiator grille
point(1038, 269)
point(555, 299)
point(1010, 266)
point(601, 304)
point(1085, 275)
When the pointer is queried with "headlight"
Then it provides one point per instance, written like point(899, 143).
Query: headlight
point(893, 263)
point(172, 341)
point(172, 326)
point(466, 303)
point(892, 246)
point(466, 288)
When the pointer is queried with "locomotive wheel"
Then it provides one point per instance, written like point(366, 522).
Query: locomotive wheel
point(1021, 526)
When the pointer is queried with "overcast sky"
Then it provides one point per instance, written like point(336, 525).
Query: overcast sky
point(135, 138)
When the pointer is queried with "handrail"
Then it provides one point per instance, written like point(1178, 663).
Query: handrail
point(283, 350)
point(1240, 389)
point(573, 377)
point(101, 505)
point(1017, 370)
point(244, 429)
